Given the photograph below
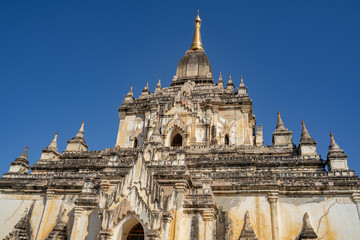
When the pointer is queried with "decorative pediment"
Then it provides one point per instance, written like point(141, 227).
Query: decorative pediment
point(247, 232)
point(176, 122)
point(225, 127)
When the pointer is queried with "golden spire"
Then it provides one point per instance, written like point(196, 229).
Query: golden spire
point(196, 44)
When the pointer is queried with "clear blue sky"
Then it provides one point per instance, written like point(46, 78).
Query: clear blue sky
point(64, 62)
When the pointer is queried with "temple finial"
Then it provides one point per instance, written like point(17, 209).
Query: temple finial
point(81, 131)
point(51, 151)
point(196, 44)
point(230, 80)
point(24, 154)
point(305, 136)
point(53, 144)
point(158, 89)
point(78, 142)
point(129, 97)
point(333, 144)
point(280, 124)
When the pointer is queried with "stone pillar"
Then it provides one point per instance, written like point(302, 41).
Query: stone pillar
point(193, 130)
point(166, 224)
point(206, 138)
point(356, 199)
point(45, 214)
point(273, 199)
point(85, 204)
point(208, 217)
point(179, 191)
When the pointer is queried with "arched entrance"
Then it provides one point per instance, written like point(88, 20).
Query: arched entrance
point(226, 140)
point(177, 141)
point(136, 233)
point(130, 228)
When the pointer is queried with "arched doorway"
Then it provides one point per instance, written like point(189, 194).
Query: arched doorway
point(227, 141)
point(177, 141)
point(135, 143)
point(136, 233)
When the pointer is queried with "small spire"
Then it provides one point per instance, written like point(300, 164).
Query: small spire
point(21, 164)
point(158, 89)
point(230, 80)
point(80, 134)
point(196, 44)
point(305, 136)
point(53, 144)
point(333, 144)
point(130, 93)
point(129, 97)
point(280, 125)
point(242, 82)
point(24, 154)
point(220, 83)
point(230, 85)
point(146, 88)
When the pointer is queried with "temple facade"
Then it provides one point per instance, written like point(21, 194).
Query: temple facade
point(189, 162)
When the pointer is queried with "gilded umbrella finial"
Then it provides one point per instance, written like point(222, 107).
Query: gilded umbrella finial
point(196, 44)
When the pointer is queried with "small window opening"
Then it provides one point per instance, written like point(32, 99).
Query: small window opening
point(226, 139)
point(136, 233)
point(177, 141)
point(135, 142)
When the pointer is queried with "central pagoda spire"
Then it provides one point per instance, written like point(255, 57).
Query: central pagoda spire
point(196, 44)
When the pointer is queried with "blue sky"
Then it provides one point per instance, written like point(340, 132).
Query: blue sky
point(64, 62)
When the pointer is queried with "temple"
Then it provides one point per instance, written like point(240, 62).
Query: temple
point(189, 162)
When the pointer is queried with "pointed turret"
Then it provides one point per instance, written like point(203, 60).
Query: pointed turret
point(279, 125)
point(333, 144)
point(220, 82)
point(158, 89)
point(307, 231)
point(307, 144)
point(77, 143)
point(51, 151)
point(197, 44)
point(305, 136)
point(230, 85)
point(259, 138)
point(247, 232)
point(281, 136)
point(21, 164)
point(145, 92)
point(129, 97)
point(242, 89)
point(336, 158)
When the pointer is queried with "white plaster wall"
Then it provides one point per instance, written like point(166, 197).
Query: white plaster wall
point(44, 212)
point(236, 207)
point(331, 217)
point(12, 209)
